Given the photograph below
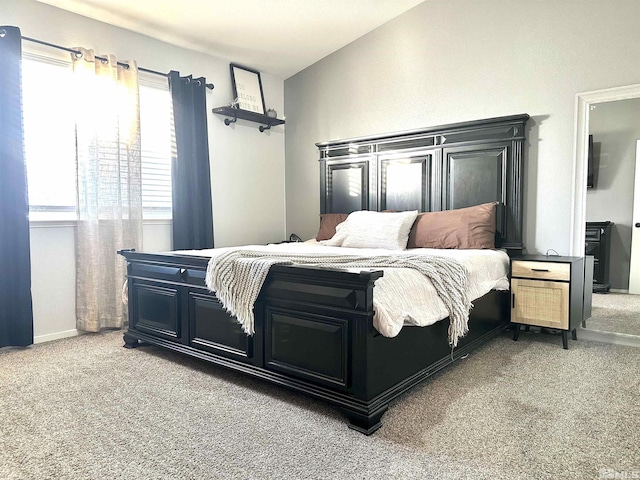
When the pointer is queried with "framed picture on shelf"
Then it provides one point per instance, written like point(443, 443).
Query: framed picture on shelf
point(247, 89)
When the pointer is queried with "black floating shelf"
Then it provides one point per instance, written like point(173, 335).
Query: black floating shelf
point(236, 113)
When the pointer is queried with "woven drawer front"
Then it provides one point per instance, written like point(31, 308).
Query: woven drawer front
point(541, 270)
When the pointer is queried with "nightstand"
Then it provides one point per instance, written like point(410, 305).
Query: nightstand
point(551, 291)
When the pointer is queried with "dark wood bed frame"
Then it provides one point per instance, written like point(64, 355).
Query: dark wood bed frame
point(314, 327)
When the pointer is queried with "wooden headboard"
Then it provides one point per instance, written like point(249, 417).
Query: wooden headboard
point(431, 169)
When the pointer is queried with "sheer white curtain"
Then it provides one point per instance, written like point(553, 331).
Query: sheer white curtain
point(109, 185)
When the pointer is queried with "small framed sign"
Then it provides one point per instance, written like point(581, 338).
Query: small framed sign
point(247, 89)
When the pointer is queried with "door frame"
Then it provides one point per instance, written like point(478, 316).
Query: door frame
point(583, 104)
point(634, 280)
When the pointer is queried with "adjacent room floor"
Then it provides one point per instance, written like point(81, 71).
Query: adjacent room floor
point(615, 312)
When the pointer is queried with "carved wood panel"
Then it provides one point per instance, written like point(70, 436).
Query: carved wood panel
point(212, 328)
point(405, 183)
point(475, 175)
point(308, 346)
point(347, 186)
point(156, 309)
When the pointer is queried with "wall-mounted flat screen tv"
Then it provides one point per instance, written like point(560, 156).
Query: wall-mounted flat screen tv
point(590, 165)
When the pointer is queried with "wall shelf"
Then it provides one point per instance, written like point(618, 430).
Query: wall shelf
point(233, 114)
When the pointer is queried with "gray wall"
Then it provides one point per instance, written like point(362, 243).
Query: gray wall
point(615, 127)
point(457, 60)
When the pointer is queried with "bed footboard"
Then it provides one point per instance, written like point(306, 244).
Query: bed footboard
point(313, 331)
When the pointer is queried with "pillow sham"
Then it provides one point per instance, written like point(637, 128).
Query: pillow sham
point(328, 224)
point(365, 229)
point(463, 228)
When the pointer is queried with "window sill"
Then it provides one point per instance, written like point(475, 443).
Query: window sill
point(157, 221)
point(52, 223)
point(60, 223)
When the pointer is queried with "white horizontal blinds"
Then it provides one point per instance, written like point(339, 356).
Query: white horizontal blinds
point(156, 142)
point(50, 140)
point(49, 136)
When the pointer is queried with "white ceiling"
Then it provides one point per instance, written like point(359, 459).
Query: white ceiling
point(280, 37)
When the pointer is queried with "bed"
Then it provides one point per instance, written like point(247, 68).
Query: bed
point(314, 327)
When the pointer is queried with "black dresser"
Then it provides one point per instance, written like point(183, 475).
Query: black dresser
point(597, 243)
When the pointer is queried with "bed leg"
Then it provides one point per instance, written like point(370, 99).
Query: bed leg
point(364, 423)
point(129, 341)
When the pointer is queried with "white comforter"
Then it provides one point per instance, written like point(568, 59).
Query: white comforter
point(404, 295)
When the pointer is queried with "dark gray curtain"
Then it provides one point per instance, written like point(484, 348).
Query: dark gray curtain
point(16, 314)
point(191, 179)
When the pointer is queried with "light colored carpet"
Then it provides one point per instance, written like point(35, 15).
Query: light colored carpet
point(615, 312)
point(86, 408)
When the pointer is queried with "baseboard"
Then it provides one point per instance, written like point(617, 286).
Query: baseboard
point(608, 337)
point(618, 290)
point(55, 336)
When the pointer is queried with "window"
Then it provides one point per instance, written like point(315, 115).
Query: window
point(49, 136)
point(156, 139)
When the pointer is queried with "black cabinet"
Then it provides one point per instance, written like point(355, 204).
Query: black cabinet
point(598, 243)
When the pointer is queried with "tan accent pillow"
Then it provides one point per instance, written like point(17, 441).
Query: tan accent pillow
point(463, 228)
point(328, 224)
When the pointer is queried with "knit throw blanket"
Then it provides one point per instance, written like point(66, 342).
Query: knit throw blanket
point(236, 277)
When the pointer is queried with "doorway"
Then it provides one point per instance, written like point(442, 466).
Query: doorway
point(589, 204)
point(583, 103)
point(614, 128)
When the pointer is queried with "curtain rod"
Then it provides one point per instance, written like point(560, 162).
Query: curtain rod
point(71, 50)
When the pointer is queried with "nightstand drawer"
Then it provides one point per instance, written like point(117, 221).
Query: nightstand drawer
point(541, 270)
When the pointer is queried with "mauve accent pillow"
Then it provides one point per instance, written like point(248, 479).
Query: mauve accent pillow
point(463, 228)
point(328, 224)
point(365, 229)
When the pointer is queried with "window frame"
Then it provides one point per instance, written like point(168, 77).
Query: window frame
point(64, 215)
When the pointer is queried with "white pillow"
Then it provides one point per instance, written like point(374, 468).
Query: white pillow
point(365, 229)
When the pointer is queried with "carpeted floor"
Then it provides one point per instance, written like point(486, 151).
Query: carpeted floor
point(86, 408)
point(615, 312)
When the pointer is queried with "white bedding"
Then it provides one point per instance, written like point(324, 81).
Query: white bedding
point(404, 294)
